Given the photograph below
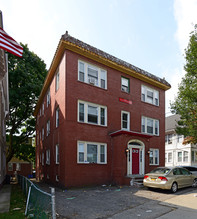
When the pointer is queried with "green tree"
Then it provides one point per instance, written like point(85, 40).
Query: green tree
point(26, 77)
point(186, 102)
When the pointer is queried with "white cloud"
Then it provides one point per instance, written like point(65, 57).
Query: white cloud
point(185, 16)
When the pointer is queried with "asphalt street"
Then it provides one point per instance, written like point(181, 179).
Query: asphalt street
point(110, 202)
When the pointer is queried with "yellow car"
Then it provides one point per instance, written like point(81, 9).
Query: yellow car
point(172, 178)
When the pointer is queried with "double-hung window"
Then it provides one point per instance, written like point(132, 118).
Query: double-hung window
point(150, 126)
point(154, 156)
point(149, 95)
point(92, 74)
point(92, 113)
point(185, 156)
point(91, 152)
point(42, 133)
point(125, 120)
point(48, 98)
point(57, 154)
point(48, 127)
point(125, 84)
point(48, 156)
point(179, 155)
point(57, 81)
point(57, 117)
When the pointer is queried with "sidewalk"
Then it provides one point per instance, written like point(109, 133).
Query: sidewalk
point(185, 206)
point(5, 192)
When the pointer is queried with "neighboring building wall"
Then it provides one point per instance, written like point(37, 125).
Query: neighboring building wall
point(177, 154)
point(63, 143)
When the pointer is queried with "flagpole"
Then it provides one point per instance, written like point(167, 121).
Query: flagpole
point(1, 19)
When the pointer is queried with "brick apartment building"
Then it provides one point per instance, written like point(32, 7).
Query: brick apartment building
point(99, 119)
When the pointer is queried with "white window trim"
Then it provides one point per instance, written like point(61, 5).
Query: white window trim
point(48, 127)
point(86, 74)
point(57, 154)
point(48, 156)
point(86, 104)
point(155, 92)
point(57, 118)
point(85, 152)
point(48, 98)
point(128, 121)
point(154, 164)
point(57, 81)
point(154, 120)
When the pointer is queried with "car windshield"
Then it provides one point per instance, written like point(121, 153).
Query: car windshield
point(161, 170)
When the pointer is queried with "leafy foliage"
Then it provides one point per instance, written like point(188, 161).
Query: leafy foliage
point(26, 77)
point(186, 102)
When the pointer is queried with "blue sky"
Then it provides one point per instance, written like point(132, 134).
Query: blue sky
point(150, 34)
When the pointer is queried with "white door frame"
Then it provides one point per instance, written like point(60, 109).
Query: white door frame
point(140, 145)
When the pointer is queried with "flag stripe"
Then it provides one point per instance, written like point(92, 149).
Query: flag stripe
point(9, 44)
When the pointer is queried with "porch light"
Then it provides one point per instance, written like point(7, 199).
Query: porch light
point(148, 152)
point(126, 150)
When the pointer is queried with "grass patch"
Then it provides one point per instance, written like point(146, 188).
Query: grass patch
point(17, 201)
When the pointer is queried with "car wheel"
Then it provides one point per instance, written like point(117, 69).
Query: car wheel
point(174, 187)
point(194, 183)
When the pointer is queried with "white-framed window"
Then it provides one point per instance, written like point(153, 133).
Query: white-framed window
point(57, 178)
point(150, 126)
point(10, 166)
point(149, 95)
point(92, 152)
point(48, 98)
point(57, 81)
point(125, 84)
point(179, 155)
point(48, 156)
point(169, 157)
point(185, 156)
point(43, 109)
point(48, 127)
point(57, 117)
point(42, 133)
point(154, 156)
point(18, 167)
point(179, 138)
point(125, 120)
point(57, 158)
point(42, 158)
point(91, 74)
point(92, 113)
point(168, 139)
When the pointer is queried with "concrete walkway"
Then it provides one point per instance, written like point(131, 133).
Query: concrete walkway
point(185, 206)
point(5, 192)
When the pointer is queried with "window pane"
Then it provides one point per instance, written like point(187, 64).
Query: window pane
point(151, 157)
point(150, 126)
point(179, 156)
point(156, 127)
point(92, 76)
point(103, 78)
point(92, 153)
point(102, 116)
point(143, 124)
point(156, 98)
point(92, 114)
point(185, 156)
point(156, 156)
point(125, 84)
point(125, 121)
point(102, 153)
point(169, 157)
point(81, 112)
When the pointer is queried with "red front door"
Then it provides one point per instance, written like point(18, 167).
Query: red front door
point(135, 160)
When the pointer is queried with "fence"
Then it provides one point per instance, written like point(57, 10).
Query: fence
point(39, 204)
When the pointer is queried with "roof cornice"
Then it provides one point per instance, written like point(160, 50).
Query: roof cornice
point(70, 43)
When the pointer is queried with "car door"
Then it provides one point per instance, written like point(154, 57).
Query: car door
point(187, 179)
point(178, 177)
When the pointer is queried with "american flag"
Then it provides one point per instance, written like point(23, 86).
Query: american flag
point(9, 44)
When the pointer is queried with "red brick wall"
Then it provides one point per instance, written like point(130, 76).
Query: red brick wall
point(70, 131)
